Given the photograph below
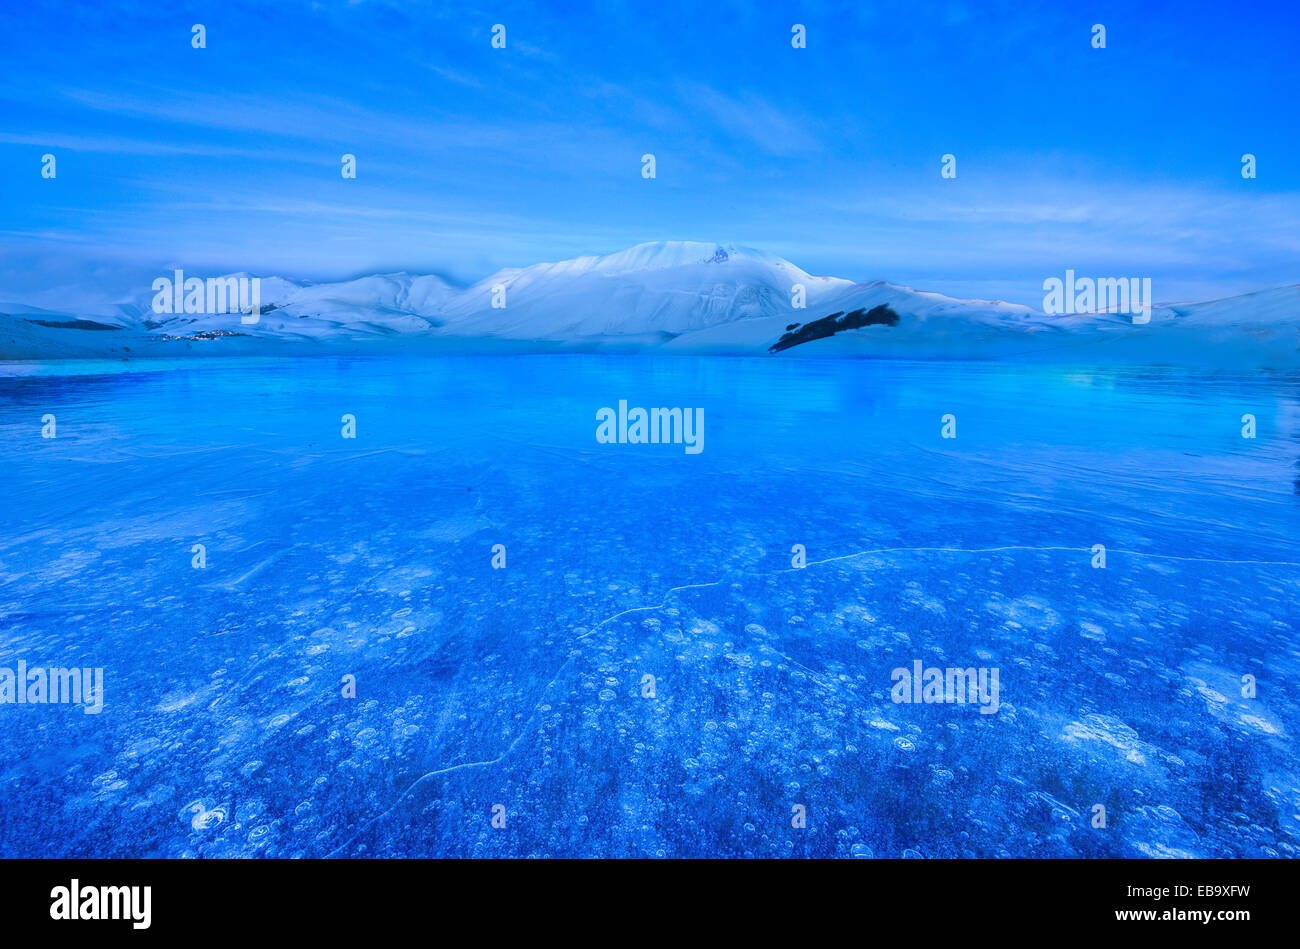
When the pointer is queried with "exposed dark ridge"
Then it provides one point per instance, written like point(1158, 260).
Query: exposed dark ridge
point(73, 324)
point(830, 325)
point(205, 334)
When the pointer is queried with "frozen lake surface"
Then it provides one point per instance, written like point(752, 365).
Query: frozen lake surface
point(225, 731)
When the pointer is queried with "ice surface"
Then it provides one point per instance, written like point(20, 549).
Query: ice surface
point(224, 731)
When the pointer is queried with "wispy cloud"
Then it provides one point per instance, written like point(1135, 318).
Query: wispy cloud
point(752, 120)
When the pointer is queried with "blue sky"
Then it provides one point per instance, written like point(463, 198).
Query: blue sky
point(1118, 162)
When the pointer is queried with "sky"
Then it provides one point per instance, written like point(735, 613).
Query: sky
point(1122, 161)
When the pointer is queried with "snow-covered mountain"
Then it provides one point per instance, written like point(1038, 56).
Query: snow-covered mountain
point(675, 296)
point(663, 289)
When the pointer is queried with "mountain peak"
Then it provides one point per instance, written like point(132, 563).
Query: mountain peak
point(662, 255)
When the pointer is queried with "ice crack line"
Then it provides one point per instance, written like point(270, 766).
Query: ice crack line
point(1079, 550)
point(514, 743)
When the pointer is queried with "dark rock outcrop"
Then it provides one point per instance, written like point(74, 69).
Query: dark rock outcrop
point(835, 323)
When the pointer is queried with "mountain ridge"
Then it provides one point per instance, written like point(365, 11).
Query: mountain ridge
point(675, 296)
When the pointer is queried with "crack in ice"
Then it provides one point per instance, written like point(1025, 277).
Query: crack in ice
point(514, 743)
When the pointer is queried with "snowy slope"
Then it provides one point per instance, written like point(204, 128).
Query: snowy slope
point(662, 288)
point(677, 296)
point(378, 305)
point(947, 325)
